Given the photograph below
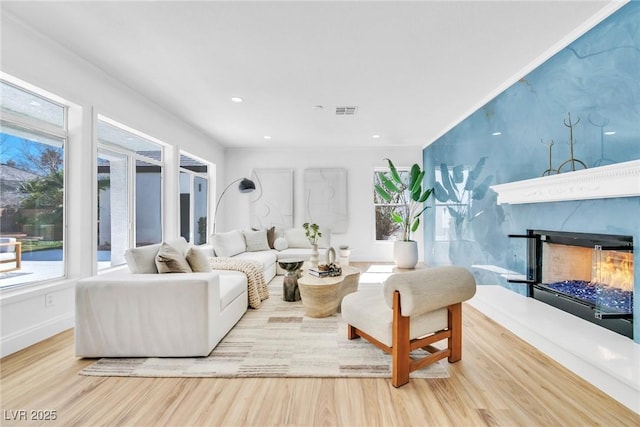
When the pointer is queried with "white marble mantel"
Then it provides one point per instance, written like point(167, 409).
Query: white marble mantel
point(617, 180)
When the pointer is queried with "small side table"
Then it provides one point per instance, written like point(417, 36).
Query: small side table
point(322, 296)
point(290, 290)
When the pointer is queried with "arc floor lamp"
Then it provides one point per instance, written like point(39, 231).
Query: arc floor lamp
point(245, 186)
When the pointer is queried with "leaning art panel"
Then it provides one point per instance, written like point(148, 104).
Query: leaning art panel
point(325, 193)
point(272, 202)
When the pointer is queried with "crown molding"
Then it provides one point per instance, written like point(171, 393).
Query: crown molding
point(603, 182)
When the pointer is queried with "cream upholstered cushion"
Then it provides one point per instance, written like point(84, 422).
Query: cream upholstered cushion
point(142, 260)
point(229, 243)
point(169, 260)
point(422, 291)
point(198, 260)
point(180, 244)
point(280, 244)
point(256, 240)
point(296, 238)
point(368, 311)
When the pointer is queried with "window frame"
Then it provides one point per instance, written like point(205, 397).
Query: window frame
point(132, 158)
point(32, 125)
point(192, 176)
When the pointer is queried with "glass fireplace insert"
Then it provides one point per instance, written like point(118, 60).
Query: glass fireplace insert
point(588, 275)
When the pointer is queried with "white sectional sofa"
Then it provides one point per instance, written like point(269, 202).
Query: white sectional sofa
point(136, 312)
point(267, 248)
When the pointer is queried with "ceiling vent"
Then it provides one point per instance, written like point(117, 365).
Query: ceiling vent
point(346, 111)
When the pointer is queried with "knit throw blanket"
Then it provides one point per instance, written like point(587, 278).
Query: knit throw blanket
point(256, 283)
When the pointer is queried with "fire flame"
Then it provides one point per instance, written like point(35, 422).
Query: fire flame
point(616, 269)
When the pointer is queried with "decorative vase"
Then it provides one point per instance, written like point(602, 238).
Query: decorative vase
point(313, 260)
point(344, 257)
point(405, 253)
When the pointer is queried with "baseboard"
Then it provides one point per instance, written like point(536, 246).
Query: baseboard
point(582, 365)
point(36, 333)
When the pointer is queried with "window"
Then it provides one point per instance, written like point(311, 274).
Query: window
point(129, 183)
point(386, 228)
point(33, 133)
point(194, 200)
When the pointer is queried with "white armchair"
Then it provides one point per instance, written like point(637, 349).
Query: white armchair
point(414, 310)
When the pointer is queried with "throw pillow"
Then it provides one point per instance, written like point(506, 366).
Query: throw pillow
point(142, 260)
point(229, 243)
point(198, 260)
point(271, 235)
point(169, 260)
point(180, 244)
point(256, 240)
point(280, 244)
point(296, 238)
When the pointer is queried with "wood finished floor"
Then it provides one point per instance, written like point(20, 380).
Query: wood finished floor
point(501, 381)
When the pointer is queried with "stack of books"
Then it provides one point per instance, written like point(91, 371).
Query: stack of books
point(331, 270)
point(318, 273)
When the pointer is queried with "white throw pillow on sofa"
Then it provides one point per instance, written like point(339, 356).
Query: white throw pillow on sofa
point(256, 240)
point(198, 260)
point(142, 260)
point(228, 244)
point(280, 244)
point(180, 244)
point(296, 238)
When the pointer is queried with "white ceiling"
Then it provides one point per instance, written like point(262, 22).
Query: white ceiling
point(413, 69)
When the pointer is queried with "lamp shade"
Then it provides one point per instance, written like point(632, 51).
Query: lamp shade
point(246, 185)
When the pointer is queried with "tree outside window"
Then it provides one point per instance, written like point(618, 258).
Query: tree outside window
point(386, 228)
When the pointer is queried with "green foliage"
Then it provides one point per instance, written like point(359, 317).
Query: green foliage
point(46, 195)
point(312, 232)
point(392, 188)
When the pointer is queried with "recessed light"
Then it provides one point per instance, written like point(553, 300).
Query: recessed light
point(236, 99)
point(496, 133)
point(375, 136)
point(267, 137)
point(610, 132)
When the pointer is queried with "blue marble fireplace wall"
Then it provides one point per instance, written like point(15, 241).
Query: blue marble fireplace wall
point(596, 80)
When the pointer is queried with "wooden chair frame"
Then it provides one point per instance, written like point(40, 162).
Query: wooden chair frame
point(402, 346)
point(18, 256)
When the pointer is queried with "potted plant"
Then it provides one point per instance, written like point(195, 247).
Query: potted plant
point(406, 190)
point(312, 231)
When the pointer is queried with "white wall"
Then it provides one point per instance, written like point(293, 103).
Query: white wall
point(360, 164)
point(28, 56)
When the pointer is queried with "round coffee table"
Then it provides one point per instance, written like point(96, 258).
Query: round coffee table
point(322, 296)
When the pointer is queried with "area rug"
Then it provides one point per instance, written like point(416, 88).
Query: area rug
point(276, 340)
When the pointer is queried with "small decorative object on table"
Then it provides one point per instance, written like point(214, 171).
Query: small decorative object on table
point(313, 234)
